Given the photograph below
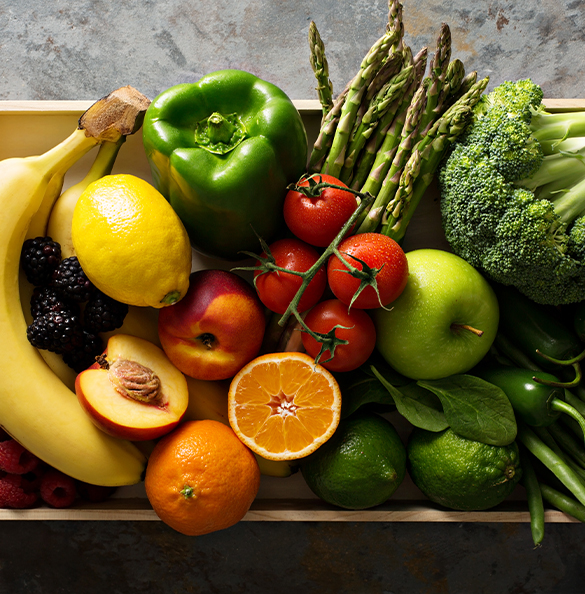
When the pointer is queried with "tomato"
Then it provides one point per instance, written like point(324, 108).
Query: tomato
point(276, 289)
point(359, 331)
point(378, 252)
point(318, 220)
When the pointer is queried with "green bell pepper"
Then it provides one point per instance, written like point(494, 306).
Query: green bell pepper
point(222, 151)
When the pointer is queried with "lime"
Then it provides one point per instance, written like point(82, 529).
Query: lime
point(130, 242)
point(460, 473)
point(360, 466)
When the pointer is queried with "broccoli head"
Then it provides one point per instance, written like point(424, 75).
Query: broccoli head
point(495, 219)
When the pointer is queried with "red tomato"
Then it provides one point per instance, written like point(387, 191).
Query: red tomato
point(359, 331)
point(318, 220)
point(377, 251)
point(276, 289)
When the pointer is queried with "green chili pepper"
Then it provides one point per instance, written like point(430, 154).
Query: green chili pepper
point(536, 403)
point(223, 151)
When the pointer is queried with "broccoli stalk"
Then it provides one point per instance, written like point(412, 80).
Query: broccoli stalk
point(513, 194)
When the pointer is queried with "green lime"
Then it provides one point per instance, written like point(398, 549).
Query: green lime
point(461, 473)
point(360, 466)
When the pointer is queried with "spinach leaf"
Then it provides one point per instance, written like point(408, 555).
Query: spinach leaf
point(361, 387)
point(475, 409)
point(417, 405)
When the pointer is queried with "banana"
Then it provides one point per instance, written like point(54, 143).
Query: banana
point(36, 408)
point(38, 223)
point(61, 214)
point(141, 322)
point(209, 400)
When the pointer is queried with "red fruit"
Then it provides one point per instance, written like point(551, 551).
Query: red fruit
point(15, 459)
point(57, 489)
point(14, 492)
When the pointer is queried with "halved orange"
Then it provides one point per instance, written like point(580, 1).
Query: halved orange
point(283, 406)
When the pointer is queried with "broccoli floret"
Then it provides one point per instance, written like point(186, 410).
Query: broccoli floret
point(503, 204)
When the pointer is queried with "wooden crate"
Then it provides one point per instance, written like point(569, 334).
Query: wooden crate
point(32, 127)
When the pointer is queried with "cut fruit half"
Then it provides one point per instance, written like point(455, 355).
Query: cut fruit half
point(283, 406)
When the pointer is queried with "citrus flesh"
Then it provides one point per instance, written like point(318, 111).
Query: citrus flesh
point(459, 473)
point(283, 406)
point(130, 242)
point(361, 466)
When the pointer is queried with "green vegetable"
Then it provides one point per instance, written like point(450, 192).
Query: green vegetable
point(537, 404)
point(555, 463)
point(475, 409)
point(498, 209)
point(533, 498)
point(222, 151)
point(563, 502)
point(538, 330)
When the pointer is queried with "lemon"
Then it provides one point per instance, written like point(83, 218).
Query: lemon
point(130, 242)
point(460, 473)
point(360, 466)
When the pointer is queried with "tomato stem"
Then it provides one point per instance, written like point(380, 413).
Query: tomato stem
point(268, 264)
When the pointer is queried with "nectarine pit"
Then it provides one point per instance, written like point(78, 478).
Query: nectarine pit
point(132, 379)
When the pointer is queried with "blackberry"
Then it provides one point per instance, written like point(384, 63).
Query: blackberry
point(103, 314)
point(71, 282)
point(83, 357)
point(45, 299)
point(39, 258)
point(56, 331)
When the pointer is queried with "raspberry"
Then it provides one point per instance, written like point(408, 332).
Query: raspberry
point(39, 259)
point(57, 489)
point(15, 459)
point(14, 492)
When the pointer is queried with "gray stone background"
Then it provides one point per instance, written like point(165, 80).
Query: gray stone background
point(58, 50)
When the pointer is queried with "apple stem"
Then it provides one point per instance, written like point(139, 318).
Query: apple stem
point(467, 327)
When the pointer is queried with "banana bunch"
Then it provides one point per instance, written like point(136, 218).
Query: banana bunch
point(36, 407)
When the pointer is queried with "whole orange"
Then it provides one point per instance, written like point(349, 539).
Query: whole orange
point(201, 478)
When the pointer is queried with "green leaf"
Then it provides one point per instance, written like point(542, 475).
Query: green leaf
point(475, 409)
point(417, 405)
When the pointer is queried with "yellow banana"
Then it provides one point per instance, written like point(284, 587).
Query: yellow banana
point(36, 408)
point(61, 214)
point(38, 223)
point(141, 322)
point(209, 400)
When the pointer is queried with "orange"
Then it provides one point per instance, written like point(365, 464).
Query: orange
point(201, 478)
point(283, 406)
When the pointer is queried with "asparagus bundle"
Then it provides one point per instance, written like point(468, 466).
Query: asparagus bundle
point(389, 129)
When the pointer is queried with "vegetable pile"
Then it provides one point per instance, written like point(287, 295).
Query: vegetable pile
point(513, 194)
point(388, 130)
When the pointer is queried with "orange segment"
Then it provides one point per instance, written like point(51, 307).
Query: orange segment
point(283, 406)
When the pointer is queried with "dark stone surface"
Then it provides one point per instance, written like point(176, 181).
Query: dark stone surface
point(288, 558)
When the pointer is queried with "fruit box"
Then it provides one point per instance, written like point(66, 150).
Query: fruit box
point(32, 127)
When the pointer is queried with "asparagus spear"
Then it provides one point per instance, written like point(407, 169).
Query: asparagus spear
point(394, 89)
point(381, 148)
point(436, 79)
point(426, 157)
point(320, 69)
point(392, 179)
point(395, 22)
point(369, 67)
point(326, 134)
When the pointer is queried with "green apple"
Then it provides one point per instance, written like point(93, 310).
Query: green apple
point(443, 323)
